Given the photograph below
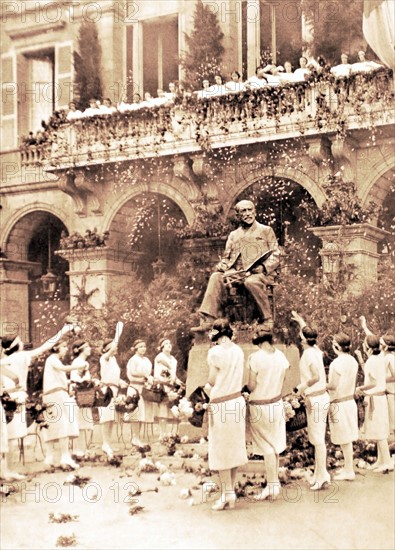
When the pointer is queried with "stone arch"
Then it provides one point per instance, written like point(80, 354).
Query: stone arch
point(312, 187)
point(377, 186)
point(153, 187)
point(21, 225)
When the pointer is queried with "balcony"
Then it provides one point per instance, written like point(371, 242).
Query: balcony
point(323, 105)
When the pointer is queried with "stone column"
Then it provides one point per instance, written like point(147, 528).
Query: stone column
point(354, 244)
point(98, 272)
point(253, 36)
point(14, 297)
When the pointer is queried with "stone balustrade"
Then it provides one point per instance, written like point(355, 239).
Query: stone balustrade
point(321, 105)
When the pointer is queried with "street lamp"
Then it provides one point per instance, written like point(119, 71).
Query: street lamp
point(49, 280)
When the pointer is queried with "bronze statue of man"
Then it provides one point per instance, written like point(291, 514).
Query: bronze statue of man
point(251, 255)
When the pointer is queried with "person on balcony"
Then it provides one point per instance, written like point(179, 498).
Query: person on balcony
point(363, 65)
point(107, 108)
point(259, 80)
point(205, 92)
point(218, 87)
point(73, 113)
point(93, 108)
point(344, 68)
point(173, 92)
point(303, 71)
point(161, 98)
point(252, 255)
point(287, 75)
point(234, 85)
point(123, 107)
point(273, 73)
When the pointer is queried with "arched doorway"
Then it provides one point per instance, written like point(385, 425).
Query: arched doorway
point(286, 206)
point(147, 225)
point(31, 245)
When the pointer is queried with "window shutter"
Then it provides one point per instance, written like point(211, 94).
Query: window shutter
point(63, 74)
point(9, 102)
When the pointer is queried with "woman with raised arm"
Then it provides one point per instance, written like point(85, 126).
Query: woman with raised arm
point(376, 424)
point(343, 412)
point(5, 473)
point(110, 374)
point(313, 388)
point(226, 412)
point(138, 367)
point(84, 418)
point(20, 361)
point(165, 370)
point(267, 369)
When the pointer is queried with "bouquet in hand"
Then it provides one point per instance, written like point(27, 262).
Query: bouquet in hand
point(127, 403)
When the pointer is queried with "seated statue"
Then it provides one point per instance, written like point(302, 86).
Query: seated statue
point(250, 259)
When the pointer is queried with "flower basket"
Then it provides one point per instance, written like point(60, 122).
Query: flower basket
point(103, 399)
point(199, 400)
point(86, 397)
point(153, 396)
point(127, 403)
point(299, 421)
point(9, 406)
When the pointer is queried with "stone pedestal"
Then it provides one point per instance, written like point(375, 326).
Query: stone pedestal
point(103, 269)
point(198, 368)
point(354, 244)
point(14, 299)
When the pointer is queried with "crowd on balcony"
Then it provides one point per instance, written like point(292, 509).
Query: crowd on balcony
point(269, 76)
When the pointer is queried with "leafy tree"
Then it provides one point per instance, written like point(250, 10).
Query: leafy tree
point(337, 27)
point(205, 50)
point(87, 64)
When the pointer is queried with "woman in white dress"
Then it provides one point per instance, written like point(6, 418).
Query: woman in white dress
point(343, 412)
point(376, 424)
point(313, 388)
point(60, 407)
point(267, 369)
point(5, 473)
point(20, 361)
point(165, 370)
point(226, 412)
point(83, 416)
point(138, 367)
point(387, 343)
point(110, 374)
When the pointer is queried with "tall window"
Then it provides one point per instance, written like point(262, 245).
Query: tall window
point(160, 53)
point(281, 31)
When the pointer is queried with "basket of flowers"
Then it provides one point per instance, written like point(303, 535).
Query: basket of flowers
point(35, 409)
point(174, 392)
point(153, 390)
point(127, 402)
point(90, 393)
point(295, 413)
point(10, 405)
point(199, 401)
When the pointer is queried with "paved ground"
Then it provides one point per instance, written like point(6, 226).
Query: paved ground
point(348, 515)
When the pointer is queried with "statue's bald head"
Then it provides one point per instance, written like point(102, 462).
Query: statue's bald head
point(246, 212)
point(242, 205)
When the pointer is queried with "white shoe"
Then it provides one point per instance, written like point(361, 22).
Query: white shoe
point(342, 475)
point(136, 442)
point(107, 449)
point(270, 492)
point(319, 484)
point(79, 454)
point(49, 461)
point(384, 468)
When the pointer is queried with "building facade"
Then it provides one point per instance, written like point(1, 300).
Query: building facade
point(92, 174)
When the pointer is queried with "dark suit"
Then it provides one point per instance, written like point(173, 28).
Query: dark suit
point(243, 250)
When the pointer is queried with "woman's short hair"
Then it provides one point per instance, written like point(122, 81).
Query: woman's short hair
point(373, 342)
point(162, 341)
point(56, 347)
point(221, 327)
point(343, 340)
point(136, 343)
point(8, 345)
point(236, 72)
point(389, 341)
point(262, 336)
point(310, 334)
point(77, 347)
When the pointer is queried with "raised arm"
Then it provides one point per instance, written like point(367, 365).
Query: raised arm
point(298, 318)
point(48, 344)
point(114, 343)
